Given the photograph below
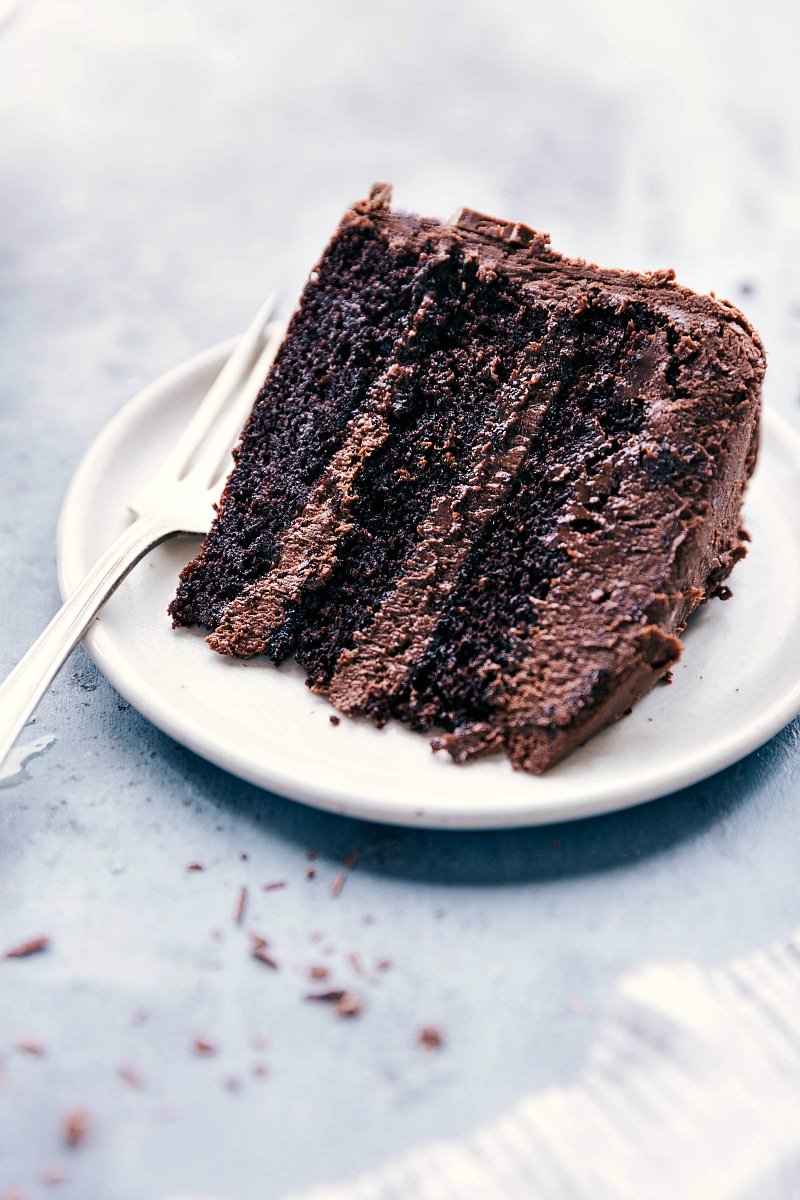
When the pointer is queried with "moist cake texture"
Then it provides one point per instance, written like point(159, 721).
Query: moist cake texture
point(483, 486)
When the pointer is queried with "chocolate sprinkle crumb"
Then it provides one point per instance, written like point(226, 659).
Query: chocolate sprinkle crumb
point(25, 949)
point(431, 1037)
point(351, 860)
point(312, 854)
point(203, 1046)
point(311, 873)
point(338, 883)
point(241, 906)
point(131, 1076)
point(276, 886)
point(334, 720)
point(318, 972)
point(331, 997)
point(383, 964)
point(29, 1046)
point(53, 1173)
point(258, 949)
point(347, 1003)
point(350, 1005)
point(76, 1127)
point(195, 867)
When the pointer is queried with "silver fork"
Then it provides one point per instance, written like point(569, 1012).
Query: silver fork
point(177, 500)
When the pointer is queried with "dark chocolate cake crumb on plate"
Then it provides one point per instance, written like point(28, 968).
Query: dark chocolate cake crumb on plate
point(484, 485)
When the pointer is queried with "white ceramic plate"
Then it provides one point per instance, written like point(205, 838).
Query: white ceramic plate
point(737, 684)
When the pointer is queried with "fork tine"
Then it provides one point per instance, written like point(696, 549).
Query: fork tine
point(219, 395)
point(214, 459)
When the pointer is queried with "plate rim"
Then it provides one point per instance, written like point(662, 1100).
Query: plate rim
point(146, 698)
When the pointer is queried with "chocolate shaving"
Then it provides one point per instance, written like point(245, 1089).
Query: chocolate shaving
point(76, 1127)
point(131, 1076)
point(431, 1037)
point(30, 1046)
point(331, 997)
point(25, 949)
point(350, 1005)
point(338, 883)
point(347, 1003)
point(241, 906)
point(355, 963)
point(53, 1173)
point(258, 949)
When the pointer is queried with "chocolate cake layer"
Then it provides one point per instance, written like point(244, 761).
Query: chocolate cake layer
point(484, 485)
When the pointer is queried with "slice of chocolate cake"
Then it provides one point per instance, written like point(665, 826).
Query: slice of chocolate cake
point(483, 486)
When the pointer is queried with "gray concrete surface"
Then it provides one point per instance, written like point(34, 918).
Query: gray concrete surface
point(160, 164)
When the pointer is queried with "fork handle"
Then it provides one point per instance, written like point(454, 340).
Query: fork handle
point(24, 687)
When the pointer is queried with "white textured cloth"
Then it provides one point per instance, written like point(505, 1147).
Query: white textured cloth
point(691, 1092)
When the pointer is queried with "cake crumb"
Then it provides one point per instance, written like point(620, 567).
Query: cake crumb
point(334, 720)
point(431, 1037)
point(76, 1127)
point(26, 949)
